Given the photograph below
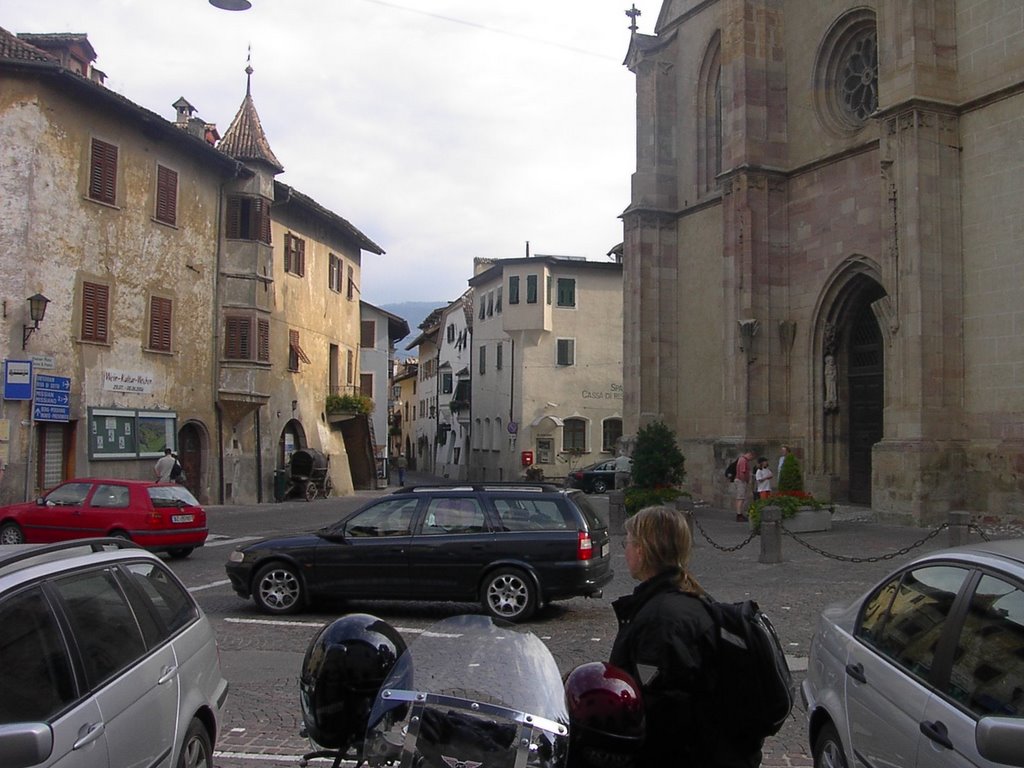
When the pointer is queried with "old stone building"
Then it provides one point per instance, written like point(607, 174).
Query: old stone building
point(823, 245)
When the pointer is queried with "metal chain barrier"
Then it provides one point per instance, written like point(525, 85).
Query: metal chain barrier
point(978, 530)
point(872, 559)
point(717, 546)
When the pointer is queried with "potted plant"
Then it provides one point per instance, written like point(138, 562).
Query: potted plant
point(801, 512)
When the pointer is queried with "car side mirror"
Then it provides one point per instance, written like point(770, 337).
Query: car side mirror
point(40, 502)
point(1001, 740)
point(25, 744)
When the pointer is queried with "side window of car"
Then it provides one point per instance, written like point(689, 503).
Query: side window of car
point(530, 515)
point(36, 680)
point(103, 623)
point(454, 515)
point(110, 497)
point(388, 518)
point(69, 494)
point(163, 602)
point(905, 622)
point(988, 667)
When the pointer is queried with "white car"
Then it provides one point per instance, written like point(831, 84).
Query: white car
point(927, 669)
point(106, 659)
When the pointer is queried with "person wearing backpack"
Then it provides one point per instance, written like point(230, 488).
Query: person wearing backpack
point(667, 640)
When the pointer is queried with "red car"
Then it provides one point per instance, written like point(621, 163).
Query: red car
point(157, 516)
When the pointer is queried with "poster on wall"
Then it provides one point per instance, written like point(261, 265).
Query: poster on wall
point(122, 433)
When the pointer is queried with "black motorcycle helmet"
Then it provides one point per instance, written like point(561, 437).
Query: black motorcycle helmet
point(344, 666)
point(606, 717)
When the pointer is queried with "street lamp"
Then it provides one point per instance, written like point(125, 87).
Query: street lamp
point(36, 311)
point(231, 5)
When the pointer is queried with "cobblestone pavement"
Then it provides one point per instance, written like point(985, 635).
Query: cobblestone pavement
point(262, 659)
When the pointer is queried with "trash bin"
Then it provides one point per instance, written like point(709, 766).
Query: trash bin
point(280, 484)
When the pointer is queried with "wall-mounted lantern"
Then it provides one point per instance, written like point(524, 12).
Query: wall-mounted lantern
point(36, 311)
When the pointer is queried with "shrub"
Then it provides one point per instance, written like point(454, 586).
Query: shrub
point(349, 404)
point(637, 497)
point(657, 460)
point(791, 478)
point(789, 503)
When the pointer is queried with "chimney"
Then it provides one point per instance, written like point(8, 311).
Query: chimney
point(184, 112)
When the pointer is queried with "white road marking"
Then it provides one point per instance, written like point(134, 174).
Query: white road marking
point(215, 541)
point(211, 585)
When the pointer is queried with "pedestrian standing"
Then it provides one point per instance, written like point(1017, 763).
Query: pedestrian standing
point(401, 463)
point(782, 458)
point(741, 484)
point(763, 478)
point(666, 641)
point(164, 465)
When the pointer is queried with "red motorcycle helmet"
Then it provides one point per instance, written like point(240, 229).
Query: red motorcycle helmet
point(344, 666)
point(606, 716)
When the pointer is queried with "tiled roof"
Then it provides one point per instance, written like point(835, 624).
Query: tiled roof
point(49, 39)
point(245, 140)
point(284, 194)
point(13, 48)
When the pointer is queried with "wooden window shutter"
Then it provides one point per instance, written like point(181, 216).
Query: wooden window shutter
point(236, 339)
point(166, 195)
point(160, 324)
point(288, 240)
point(234, 223)
point(300, 255)
point(95, 308)
point(103, 172)
point(263, 340)
point(261, 210)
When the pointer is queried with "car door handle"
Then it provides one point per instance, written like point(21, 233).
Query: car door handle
point(92, 732)
point(856, 671)
point(938, 733)
point(167, 674)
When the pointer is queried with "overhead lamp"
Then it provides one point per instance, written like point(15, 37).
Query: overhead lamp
point(36, 311)
point(231, 5)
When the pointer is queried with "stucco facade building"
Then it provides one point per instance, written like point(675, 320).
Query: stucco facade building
point(822, 246)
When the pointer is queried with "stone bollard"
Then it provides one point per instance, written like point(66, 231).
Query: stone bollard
point(958, 528)
point(617, 512)
point(771, 535)
point(684, 504)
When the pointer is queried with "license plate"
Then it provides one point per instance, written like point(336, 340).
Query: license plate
point(605, 549)
point(182, 518)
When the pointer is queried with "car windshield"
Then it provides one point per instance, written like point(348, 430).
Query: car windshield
point(171, 496)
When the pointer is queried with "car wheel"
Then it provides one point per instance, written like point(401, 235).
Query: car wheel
point(599, 486)
point(196, 752)
point(277, 588)
point(828, 749)
point(180, 552)
point(11, 533)
point(509, 594)
point(120, 535)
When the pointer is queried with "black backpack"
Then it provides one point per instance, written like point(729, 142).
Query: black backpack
point(176, 471)
point(753, 688)
point(730, 471)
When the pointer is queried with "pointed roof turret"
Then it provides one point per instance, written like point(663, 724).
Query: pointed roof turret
point(244, 139)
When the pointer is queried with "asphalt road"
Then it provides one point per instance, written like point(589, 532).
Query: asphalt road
point(261, 656)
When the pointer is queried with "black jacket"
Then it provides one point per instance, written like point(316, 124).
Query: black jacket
point(666, 640)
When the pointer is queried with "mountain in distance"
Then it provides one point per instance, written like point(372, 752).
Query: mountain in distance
point(414, 313)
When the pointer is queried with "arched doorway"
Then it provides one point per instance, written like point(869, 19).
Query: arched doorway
point(190, 456)
point(293, 437)
point(865, 358)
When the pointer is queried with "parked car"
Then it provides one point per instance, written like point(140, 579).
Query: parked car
point(926, 669)
point(107, 660)
point(157, 516)
point(597, 478)
point(512, 547)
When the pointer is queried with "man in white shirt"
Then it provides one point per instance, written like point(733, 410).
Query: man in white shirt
point(164, 465)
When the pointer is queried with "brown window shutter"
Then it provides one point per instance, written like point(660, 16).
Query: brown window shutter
point(103, 172)
point(288, 244)
point(166, 195)
point(234, 223)
point(263, 339)
point(262, 213)
point(237, 342)
point(94, 311)
point(160, 324)
point(300, 255)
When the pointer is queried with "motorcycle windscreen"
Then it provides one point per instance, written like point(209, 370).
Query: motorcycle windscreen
point(471, 691)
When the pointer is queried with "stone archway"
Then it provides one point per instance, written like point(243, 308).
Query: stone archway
point(293, 437)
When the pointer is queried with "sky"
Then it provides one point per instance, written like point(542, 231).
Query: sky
point(442, 129)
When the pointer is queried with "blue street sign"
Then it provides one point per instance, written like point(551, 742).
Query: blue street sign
point(51, 398)
point(17, 379)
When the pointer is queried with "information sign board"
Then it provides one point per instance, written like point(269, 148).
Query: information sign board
point(17, 379)
point(51, 399)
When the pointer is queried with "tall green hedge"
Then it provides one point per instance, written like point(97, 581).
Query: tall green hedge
point(791, 478)
point(657, 460)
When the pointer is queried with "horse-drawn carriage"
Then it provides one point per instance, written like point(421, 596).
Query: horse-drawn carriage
point(307, 475)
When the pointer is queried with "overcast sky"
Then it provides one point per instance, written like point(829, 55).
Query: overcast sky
point(442, 129)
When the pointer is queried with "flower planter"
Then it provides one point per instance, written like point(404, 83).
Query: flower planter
point(809, 520)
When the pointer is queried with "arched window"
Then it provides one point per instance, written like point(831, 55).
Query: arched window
point(846, 73)
point(574, 435)
point(709, 118)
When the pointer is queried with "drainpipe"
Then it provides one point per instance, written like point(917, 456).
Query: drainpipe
point(259, 458)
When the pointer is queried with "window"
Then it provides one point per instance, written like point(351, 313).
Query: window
point(574, 435)
point(366, 385)
point(334, 273)
point(294, 255)
point(350, 284)
point(565, 351)
point(497, 300)
point(611, 431)
point(483, 308)
point(166, 195)
point(453, 516)
point(38, 681)
point(389, 518)
point(709, 118)
point(103, 172)
point(483, 359)
point(368, 333)
point(171, 604)
point(248, 219)
point(69, 495)
point(490, 304)
point(95, 312)
point(238, 338)
point(110, 497)
point(160, 324)
point(446, 383)
point(530, 515)
point(350, 366)
point(513, 289)
point(263, 340)
point(498, 355)
point(547, 290)
point(531, 289)
point(295, 353)
point(450, 333)
point(566, 292)
point(905, 618)
point(846, 73)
